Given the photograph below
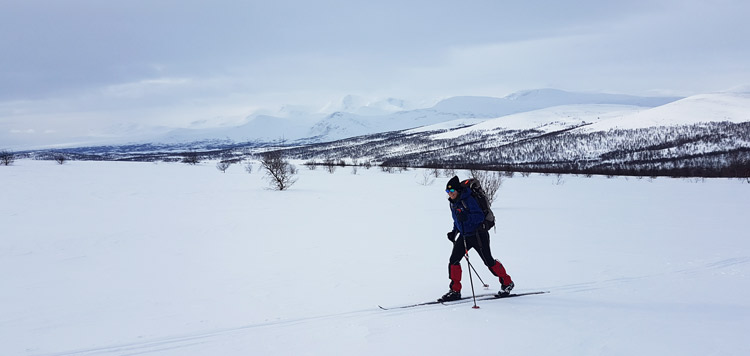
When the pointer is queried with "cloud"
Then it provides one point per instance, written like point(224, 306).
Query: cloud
point(89, 65)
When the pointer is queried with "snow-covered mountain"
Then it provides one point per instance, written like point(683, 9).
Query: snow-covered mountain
point(702, 135)
point(362, 106)
point(258, 128)
point(342, 125)
point(547, 120)
point(729, 106)
point(539, 99)
point(356, 116)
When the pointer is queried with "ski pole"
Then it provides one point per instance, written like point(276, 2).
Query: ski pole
point(485, 285)
point(473, 295)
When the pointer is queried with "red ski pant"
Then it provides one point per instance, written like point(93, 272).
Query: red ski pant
point(481, 242)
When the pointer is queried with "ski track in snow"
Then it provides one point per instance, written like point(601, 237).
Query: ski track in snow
point(183, 341)
point(604, 284)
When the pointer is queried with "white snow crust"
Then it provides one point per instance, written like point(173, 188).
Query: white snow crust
point(113, 258)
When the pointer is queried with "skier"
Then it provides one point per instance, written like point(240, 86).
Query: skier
point(469, 220)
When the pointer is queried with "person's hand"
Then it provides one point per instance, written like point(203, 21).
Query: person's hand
point(452, 236)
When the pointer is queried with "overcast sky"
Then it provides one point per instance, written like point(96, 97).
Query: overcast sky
point(92, 67)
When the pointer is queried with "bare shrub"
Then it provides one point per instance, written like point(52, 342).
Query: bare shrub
point(426, 178)
point(222, 166)
point(387, 169)
point(330, 165)
point(279, 172)
point(61, 158)
point(490, 181)
point(191, 158)
point(559, 180)
point(7, 158)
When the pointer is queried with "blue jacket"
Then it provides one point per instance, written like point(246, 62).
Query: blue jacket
point(467, 214)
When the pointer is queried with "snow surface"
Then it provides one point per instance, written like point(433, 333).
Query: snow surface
point(113, 258)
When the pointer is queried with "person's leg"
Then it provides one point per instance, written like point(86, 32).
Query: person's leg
point(494, 265)
point(454, 264)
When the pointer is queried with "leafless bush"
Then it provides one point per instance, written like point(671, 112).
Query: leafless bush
point(559, 180)
point(387, 169)
point(426, 178)
point(222, 166)
point(490, 181)
point(329, 165)
point(61, 158)
point(280, 173)
point(311, 165)
point(7, 158)
point(191, 158)
point(249, 167)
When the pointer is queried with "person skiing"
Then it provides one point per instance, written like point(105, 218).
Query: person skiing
point(469, 221)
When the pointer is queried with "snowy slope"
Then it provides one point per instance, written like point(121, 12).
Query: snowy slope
point(114, 258)
point(732, 106)
point(726, 106)
point(529, 100)
point(546, 120)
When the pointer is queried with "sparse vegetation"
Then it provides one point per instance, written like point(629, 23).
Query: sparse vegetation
point(426, 178)
point(713, 149)
point(7, 158)
point(329, 165)
point(191, 158)
point(61, 158)
point(490, 181)
point(223, 166)
point(280, 173)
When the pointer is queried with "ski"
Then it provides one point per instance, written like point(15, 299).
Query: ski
point(434, 302)
point(493, 296)
point(485, 296)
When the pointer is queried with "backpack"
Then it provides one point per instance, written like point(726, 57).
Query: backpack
point(481, 196)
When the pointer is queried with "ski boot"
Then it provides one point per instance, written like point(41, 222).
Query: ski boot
point(451, 295)
point(505, 290)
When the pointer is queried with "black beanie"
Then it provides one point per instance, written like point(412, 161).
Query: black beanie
point(454, 183)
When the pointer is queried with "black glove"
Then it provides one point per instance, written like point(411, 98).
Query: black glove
point(452, 236)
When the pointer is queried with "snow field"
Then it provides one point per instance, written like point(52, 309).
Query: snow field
point(112, 258)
